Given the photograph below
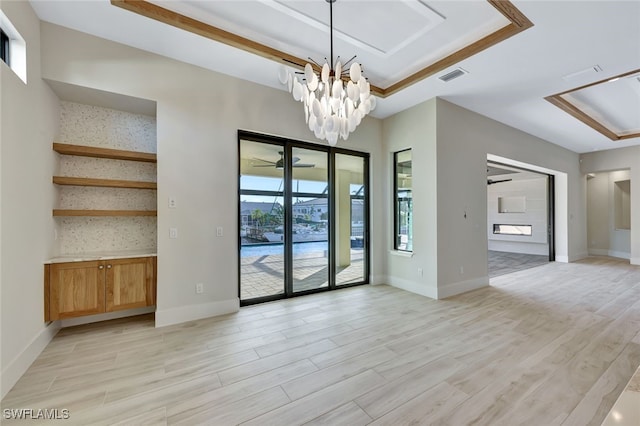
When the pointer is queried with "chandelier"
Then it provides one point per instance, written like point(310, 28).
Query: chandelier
point(332, 108)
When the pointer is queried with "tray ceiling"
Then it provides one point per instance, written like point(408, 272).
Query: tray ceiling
point(507, 81)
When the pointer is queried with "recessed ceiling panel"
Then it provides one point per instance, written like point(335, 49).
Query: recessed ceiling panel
point(611, 107)
point(392, 39)
point(614, 103)
point(381, 27)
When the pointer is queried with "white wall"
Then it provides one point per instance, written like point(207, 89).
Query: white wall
point(619, 159)
point(198, 115)
point(414, 128)
point(449, 194)
point(534, 192)
point(603, 237)
point(598, 232)
point(29, 116)
point(465, 141)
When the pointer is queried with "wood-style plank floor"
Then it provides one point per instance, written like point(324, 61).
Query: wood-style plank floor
point(547, 346)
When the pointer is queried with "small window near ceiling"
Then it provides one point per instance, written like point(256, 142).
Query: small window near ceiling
point(403, 203)
point(13, 48)
point(4, 47)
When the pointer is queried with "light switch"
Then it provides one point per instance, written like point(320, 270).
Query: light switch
point(219, 231)
point(173, 233)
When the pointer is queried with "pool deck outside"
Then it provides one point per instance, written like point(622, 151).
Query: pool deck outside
point(264, 275)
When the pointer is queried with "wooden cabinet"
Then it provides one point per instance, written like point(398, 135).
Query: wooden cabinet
point(129, 283)
point(74, 289)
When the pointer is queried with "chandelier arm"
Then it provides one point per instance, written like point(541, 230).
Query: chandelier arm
point(311, 59)
point(348, 62)
point(331, 31)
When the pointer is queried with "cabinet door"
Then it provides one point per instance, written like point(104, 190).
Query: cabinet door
point(129, 283)
point(76, 289)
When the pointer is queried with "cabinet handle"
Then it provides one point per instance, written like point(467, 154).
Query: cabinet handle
point(108, 266)
point(100, 267)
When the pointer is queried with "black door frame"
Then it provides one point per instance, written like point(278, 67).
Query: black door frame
point(287, 146)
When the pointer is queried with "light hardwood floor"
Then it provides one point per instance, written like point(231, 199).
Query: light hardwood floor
point(549, 345)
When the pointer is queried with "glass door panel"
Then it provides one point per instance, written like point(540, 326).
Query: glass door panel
point(310, 219)
point(262, 244)
point(350, 219)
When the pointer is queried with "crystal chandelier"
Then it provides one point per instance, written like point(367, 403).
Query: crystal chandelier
point(332, 108)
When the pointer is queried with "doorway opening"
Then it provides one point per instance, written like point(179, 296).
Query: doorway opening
point(520, 218)
point(303, 218)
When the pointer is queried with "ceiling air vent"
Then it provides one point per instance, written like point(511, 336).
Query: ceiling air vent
point(458, 72)
point(587, 72)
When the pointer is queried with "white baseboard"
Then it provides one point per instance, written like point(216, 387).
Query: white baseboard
point(611, 253)
point(71, 322)
point(377, 279)
point(17, 367)
point(635, 260)
point(194, 312)
point(578, 256)
point(620, 254)
point(462, 287)
point(414, 287)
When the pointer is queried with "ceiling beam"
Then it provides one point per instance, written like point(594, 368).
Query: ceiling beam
point(518, 22)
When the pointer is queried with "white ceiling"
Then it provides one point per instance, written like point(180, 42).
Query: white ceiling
point(507, 82)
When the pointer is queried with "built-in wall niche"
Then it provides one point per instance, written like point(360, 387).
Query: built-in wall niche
point(106, 173)
point(512, 204)
point(622, 204)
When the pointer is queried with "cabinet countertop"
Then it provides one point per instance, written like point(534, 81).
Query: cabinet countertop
point(83, 257)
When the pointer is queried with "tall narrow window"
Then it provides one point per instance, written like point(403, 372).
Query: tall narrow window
point(4, 47)
point(403, 203)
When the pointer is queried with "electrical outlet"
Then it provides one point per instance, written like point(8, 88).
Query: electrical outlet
point(420, 272)
point(461, 270)
point(172, 203)
point(199, 288)
point(173, 233)
point(219, 232)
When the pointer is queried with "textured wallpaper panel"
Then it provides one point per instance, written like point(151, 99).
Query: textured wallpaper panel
point(90, 198)
point(82, 235)
point(106, 128)
point(70, 165)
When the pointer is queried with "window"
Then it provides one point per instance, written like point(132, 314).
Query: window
point(13, 49)
point(403, 203)
point(4, 47)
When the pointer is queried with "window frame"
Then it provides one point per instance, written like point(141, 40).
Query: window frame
point(396, 202)
point(5, 48)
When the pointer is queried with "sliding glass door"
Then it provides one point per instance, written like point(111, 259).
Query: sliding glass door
point(303, 218)
point(351, 219)
point(310, 217)
point(262, 255)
